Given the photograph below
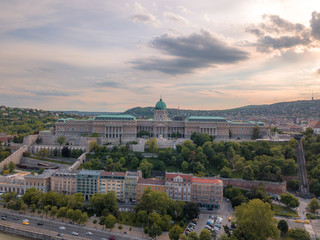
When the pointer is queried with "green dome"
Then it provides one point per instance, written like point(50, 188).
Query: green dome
point(161, 105)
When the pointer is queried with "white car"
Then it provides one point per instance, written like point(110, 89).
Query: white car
point(89, 233)
point(74, 233)
point(62, 228)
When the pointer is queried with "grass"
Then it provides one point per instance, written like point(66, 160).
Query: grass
point(284, 211)
point(312, 216)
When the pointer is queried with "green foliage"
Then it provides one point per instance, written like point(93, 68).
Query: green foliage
point(152, 145)
point(175, 232)
point(205, 235)
point(289, 200)
point(104, 203)
point(294, 184)
point(313, 205)
point(283, 226)
point(256, 133)
point(110, 221)
point(225, 172)
point(12, 166)
point(299, 234)
point(283, 211)
point(255, 220)
point(193, 236)
point(145, 168)
point(155, 230)
point(61, 140)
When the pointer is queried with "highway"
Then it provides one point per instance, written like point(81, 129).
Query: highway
point(53, 226)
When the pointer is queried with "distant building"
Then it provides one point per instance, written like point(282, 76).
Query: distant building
point(113, 181)
point(40, 182)
point(315, 125)
point(64, 181)
point(87, 182)
point(157, 185)
point(178, 186)
point(124, 128)
point(131, 180)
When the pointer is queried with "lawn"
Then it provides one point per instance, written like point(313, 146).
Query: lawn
point(51, 160)
point(284, 211)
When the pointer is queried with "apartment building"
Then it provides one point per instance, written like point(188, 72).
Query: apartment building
point(40, 182)
point(112, 181)
point(131, 180)
point(64, 181)
point(87, 182)
point(178, 186)
point(152, 183)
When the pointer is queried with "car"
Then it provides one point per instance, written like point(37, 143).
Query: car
point(89, 233)
point(25, 223)
point(112, 238)
point(3, 218)
point(297, 221)
point(60, 234)
point(40, 223)
point(74, 233)
point(62, 228)
point(15, 218)
point(306, 221)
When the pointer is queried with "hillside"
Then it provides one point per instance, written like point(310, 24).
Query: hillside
point(296, 109)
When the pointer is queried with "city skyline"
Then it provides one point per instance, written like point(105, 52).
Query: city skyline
point(112, 56)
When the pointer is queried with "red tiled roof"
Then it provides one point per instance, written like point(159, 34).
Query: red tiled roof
point(151, 181)
point(314, 124)
point(170, 176)
point(206, 180)
point(118, 174)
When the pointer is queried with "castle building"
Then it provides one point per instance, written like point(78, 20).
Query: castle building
point(125, 128)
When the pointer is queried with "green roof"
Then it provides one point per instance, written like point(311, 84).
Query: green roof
point(161, 105)
point(115, 117)
point(206, 119)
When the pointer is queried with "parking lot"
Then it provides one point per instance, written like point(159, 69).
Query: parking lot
point(224, 212)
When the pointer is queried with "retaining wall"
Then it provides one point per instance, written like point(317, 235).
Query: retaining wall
point(14, 157)
point(271, 187)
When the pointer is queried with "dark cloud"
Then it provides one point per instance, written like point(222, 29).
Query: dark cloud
point(279, 34)
point(186, 54)
point(111, 84)
point(315, 25)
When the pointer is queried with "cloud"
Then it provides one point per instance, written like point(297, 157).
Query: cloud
point(143, 15)
point(144, 18)
point(50, 92)
point(175, 17)
point(186, 54)
point(276, 33)
point(315, 25)
point(111, 84)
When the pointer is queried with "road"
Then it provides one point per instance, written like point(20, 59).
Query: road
point(53, 225)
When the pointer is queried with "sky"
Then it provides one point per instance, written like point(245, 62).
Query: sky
point(102, 55)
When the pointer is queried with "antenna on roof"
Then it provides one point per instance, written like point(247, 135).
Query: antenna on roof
point(312, 96)
point(160, 97)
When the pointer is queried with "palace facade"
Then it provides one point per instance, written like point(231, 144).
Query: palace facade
point(125, 128)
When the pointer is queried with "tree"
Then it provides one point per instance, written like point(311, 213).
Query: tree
point(255, 220)
point(110, 221)
point(84, 218)
point(247, 173)
point(225, 172)
point(143, 216)
point(283, 226)
point(205, 235)
point(53, 211)
point(44, 152)
point(62, 212)
point(313, 205)
point(76, 215)
point(294, 184)
point(299, 234)
point(191, 210)
point(120, 227)
point(185, 165)
point(152, 145)
point(32, 195)
point(33, 208)
point(145, 167)
point(46, 210)
point(193, 236)
point(289, 200)
point(155, 230)
point(175, 232)
point(12, 166)
point(5, 167)
point(256, 133)
point(61, 140)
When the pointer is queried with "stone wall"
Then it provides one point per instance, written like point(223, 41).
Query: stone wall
point(14, 157)
point(271, 187)
point(79, 161)
point(30, 139)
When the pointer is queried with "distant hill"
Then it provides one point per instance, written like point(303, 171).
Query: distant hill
point(295, 109)
point(80, 113)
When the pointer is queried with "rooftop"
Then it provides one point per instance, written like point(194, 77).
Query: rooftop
point(109, 117)
point(206, 180)
point(206, 119)
point(116, 174)
point(151, 181)
point(45, 174)
point(90, 172)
